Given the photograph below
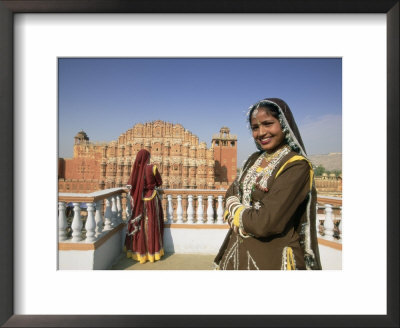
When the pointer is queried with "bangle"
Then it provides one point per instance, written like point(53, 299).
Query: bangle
point(226, 214)
point(237, 215)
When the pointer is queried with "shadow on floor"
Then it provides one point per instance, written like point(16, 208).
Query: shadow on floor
point(170, 261)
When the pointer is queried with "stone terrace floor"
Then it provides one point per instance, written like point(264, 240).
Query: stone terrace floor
point(331, 259)
point(170, 261)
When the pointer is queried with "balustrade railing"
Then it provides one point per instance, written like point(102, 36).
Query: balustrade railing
point(329, 221)
point(107, 209)
point(86, 217)
point(193, 206)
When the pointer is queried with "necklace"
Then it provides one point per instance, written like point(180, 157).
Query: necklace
point(259, 175)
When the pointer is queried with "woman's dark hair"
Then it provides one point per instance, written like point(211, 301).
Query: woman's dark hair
point(267, 107)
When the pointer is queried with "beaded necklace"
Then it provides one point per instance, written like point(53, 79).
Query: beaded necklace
point(257, 175)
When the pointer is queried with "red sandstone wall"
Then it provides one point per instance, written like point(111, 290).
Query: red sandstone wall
point(82, 168)
point(79, 186)
point(61, 168)
point(225, 162)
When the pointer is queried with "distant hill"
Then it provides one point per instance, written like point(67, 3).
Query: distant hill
point(331, 161)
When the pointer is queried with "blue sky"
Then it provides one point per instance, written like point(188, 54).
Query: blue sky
point(106, 97)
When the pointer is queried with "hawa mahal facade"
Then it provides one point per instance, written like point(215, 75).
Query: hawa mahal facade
point(183, 161)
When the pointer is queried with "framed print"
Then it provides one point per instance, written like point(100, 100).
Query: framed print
point(368, 46)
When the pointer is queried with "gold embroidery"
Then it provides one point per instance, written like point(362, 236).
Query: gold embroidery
point(288, 262)
point(152, 196)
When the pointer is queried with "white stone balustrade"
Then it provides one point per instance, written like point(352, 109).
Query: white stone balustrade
point(90, 225)
point(170, 209)
point(196, 212)
point(119, 209)
point(220, 211)
point(108, 215)
point(128, 210)
point(190, 210)
point(62, 222)
point(114, 214)
point(179, 210)
point(186, 207)
point(210, 210)
point(99, 218)
point(338, 224)
point(328, 222)
point(214, 213)
point(96, 224)
point(200, 211)
point(77, 224)
point(328, 216)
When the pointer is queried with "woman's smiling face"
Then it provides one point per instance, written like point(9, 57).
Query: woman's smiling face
point(266, 130)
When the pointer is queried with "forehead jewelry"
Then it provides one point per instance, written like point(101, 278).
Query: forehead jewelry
point(254, 114)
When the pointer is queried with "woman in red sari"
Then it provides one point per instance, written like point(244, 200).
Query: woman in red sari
point(144, 236)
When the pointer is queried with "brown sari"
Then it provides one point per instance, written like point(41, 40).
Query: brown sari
point(279, 231)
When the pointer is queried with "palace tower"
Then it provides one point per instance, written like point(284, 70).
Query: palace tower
point(225, 155)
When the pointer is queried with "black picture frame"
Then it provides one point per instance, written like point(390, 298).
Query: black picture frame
point(7, 10)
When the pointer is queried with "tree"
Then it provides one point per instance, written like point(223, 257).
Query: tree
point(319, 170)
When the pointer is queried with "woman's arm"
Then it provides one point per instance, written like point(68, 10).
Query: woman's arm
point(280, 203)
point(233, 189)
point(277, 206)
point(157, 176)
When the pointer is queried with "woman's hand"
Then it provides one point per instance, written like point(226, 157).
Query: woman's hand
point(229, 220)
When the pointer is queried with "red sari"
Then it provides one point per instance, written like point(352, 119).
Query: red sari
point(144, 238)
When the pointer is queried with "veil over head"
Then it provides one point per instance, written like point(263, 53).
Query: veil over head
point(288, 124)
point(136, 180)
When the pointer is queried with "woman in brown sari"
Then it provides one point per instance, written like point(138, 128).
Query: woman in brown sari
point(271, 206)
point(144, 236)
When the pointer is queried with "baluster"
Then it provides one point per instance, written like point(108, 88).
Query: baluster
point(90, 225)
point(220, 211)
point(164, 206)
point(184, 208)
point(108, 215)
point(319, 222)
point(190, 210)
point(99, 218)
point(113, 212)
point(200, 210)
point(338, 224)
point(170, 210)
point(119, 209)
point(210, 210)
point(328, 223)
point(179, 210)
point(76, 225)
point(62, 222)
point(123, 206)
point(128, 207)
